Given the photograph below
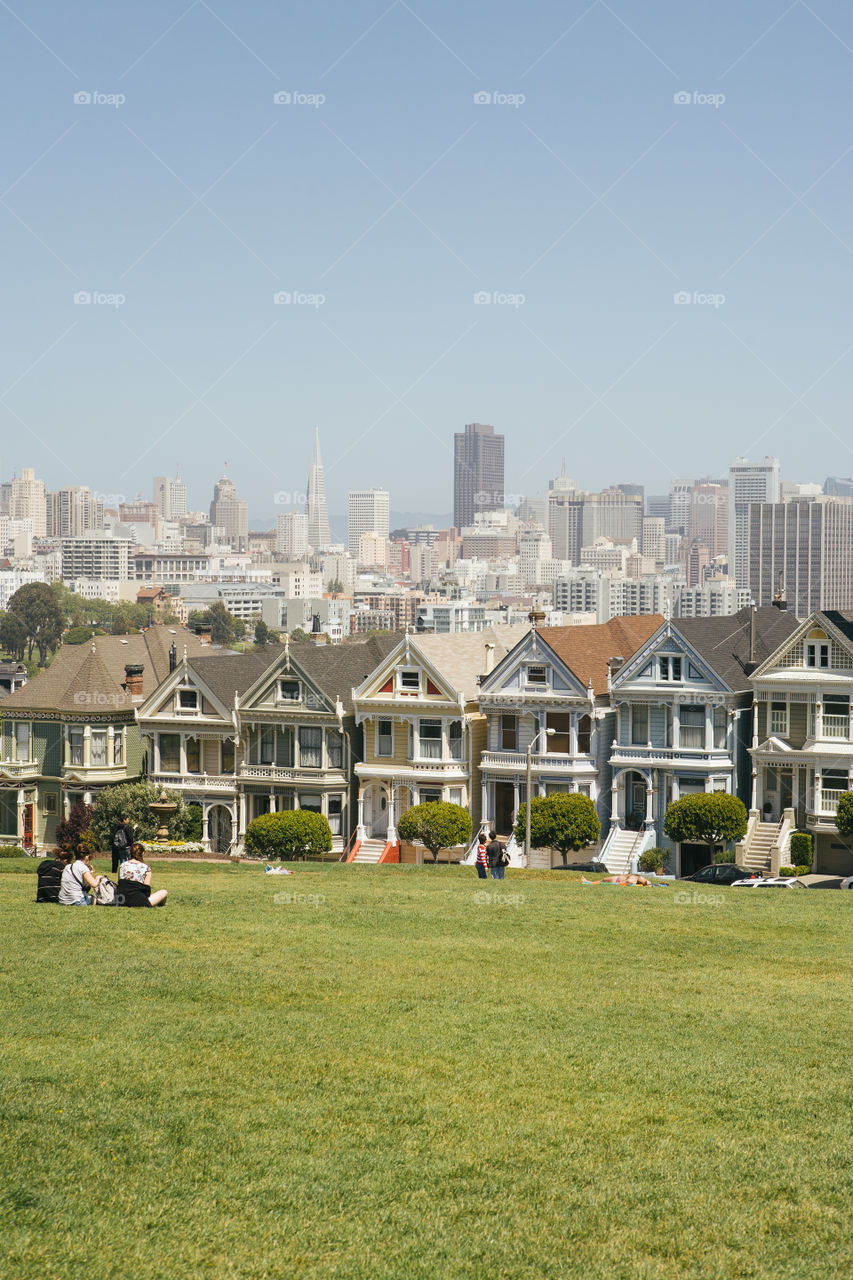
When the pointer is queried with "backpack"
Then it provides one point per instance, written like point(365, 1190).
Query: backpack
point(49, 881)
point(503, 860)
point(105, 894)
point(120, 839)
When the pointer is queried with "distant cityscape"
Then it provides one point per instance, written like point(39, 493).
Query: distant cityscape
point(705, 547)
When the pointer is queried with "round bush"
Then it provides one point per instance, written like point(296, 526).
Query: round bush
point(292, 834)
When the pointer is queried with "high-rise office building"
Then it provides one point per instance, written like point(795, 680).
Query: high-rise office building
point(748, 482)
point(72, 510)
point(708, 517)
point(368, 511)
point(478, 473)
point(576, 519)
point(315, 504)
point(170, 495)
point(292, 535)
point(231, 513)
point(803, 549)
point(28, 501)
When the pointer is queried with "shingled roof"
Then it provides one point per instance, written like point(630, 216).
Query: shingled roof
point(460, 658)
point(87, 679)
point(725, 643)
point(586, 649)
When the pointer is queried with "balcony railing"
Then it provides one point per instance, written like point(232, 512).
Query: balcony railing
point(826, 802)
point(550, 761)
point(19, 768)
point(620, 754)
point(203, 781)
point(836, 726)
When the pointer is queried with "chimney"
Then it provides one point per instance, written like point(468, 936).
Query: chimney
point(173, 656)
point(490, 657)
point(133, 680)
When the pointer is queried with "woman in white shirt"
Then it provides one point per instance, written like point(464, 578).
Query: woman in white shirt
point(134, 885)
point(76, 879)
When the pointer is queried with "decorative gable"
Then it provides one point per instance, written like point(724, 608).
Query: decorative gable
point(667, 662)
point(184, 696)
point(406, 676)
point(816, 646)
point(532, 670)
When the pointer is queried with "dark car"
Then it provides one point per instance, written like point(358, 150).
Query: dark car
point(721, 873)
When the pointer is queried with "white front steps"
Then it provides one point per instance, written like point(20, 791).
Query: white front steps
point(764, 837)
point(370, 851)
point(621, 849)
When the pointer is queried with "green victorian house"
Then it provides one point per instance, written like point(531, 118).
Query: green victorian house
point(72, 730)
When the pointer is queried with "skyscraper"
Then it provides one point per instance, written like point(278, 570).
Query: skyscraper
point(368, 511)
point(73, 510)
point(231, 513)
point(171, 496)
point(806, 547)
point(292, 535)
point(478, 472)
point(315, 505)
point(748, 482)
point(28, 501)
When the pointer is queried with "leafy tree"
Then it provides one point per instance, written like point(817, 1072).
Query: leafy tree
point(564, 821)
point(335, 587)
point(711, 818)
point(299, 634)
point(36, 606)
point(71, 831)
point(262, 632)
point(844, 814)
point(294, 833)
point(437, 825)
point(221, 623)
point(79, 635)
point(132, 799)
point(238, 628)
point(13, 635)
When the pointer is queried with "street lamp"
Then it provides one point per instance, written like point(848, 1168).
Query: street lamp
point(549, 733)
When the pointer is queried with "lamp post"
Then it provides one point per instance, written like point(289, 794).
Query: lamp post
point(549, 733)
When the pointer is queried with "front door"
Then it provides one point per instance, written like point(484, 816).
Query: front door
point(28, 826)
point(376, 813)
point(219, 829)
point(504, 807)
point(637, 800)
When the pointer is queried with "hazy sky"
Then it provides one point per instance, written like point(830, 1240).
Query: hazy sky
point(580, 211)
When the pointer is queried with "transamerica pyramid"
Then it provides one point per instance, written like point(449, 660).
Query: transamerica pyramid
point(315, 506)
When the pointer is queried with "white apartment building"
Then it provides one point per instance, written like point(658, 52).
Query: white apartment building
point(535, 550)
point(368, 511)
point(28, 501)
point(374, 550)
point(299, 581)
point(73, 510)
point(12, 579)
point(170, 495)
point(291, 541)
point(748, 482)
point(103, 589)
point(97, 555)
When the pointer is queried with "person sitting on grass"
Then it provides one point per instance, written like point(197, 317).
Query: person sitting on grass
point(134, 883)
point(49, 875)
point(77, 877)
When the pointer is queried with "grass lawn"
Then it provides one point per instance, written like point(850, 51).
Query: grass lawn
point(387, 1078)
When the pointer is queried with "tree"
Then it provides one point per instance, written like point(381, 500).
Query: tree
point(711, 818)
point(262, 632)
point(564, 821)
point(299, 634)
point(13, 635)
point(132, 800)
point(844, 814)
point(36, 606)
point(294, 833)
point(437, 825)
point(76, 829)
point(335, 587)
point(223, 625)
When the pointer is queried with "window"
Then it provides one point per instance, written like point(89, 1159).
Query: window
point(693, 727)
point(454, 795)
point(817, 655)
point(267, 745)
point(335, 749)
point(836, 716)
point(509, 733)
point(560, 741)
point(118, 745)
point(75, 744)
point(308, 800)
point(384, 738)
point(288, 690)
point(50, 803)
point(193, 755)
point(721, 725)
point(170, 753)
point(409, 682)
point(427, 795)
point(670, 668)
point(537, 676)
point(584, 735)
point(284, 747)
point(310, 749)
point(187, 700)
point(99, 748)
point(227, 756)
point(334, 814)
point(429, 737)
point(779, 717)
point(639, 725)
point(454, 739)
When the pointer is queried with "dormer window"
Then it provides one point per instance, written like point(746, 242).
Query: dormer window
point(537, 676)
point(817, 654)
point(670, 668)
point(288, 690)
point(188, 700)
point(409, 683)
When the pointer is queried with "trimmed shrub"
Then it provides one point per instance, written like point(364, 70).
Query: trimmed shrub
point(711, 818)
point(801, 848)
point(654, 859)
point(294, 833)
point(802, 871)
point(564, 821)
point(787, 871)
point(12, 851)
point(437, 824)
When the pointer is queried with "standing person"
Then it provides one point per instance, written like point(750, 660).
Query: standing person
point(134, 883)
point(482, 863)
point(121, 842)
point(495, 853)
point(49, 875)
point(76, 879)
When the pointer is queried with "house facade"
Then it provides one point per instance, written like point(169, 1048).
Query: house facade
point(802, 748)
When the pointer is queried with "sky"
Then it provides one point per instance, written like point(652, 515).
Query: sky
point(619, 233)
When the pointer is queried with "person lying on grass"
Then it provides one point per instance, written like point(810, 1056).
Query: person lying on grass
point(134, 883)
point(632, 878)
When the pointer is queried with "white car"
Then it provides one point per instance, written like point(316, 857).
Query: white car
point(769, 882)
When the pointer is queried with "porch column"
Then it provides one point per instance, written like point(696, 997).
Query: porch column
point(205, 833)
point(818, 799)
point(487, 808)
point(709, 727)
point(754, 798)
point(676, 726)
point(573, 734)
point(242, 821)
point(818, 718)
point(183, 755)
point(87, 797)
point(650, 797)
point(516, 802)
point(360, 833)
point(272, 802)
point(21, 799)
point(614, 801)
point(87, 746)
point(391, 834)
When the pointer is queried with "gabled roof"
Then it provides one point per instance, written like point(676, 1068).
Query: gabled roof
point(725, 643)
point(586, 649)
point(461, 658)
point(225, 674)
point(88, 683)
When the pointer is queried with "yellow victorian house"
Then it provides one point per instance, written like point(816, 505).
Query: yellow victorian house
point(423, 731)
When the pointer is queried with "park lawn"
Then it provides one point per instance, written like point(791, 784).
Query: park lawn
point(394, 1073)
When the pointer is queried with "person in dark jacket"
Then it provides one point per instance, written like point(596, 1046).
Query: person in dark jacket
point(121, 842)
point(49, 875)
point(496, 855)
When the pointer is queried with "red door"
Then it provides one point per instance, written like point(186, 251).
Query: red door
point(28, 826)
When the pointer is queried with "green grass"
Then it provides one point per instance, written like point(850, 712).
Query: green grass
point(391, 1080)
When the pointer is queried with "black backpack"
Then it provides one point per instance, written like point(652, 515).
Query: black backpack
point(119, 839)
point(49, 880)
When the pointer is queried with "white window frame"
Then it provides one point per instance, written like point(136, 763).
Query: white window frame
point(408, 690)
point(815, 651)
point(528, 679)
point(786, 713)
point(192, 707)
point(286, 697)
point(384, 755)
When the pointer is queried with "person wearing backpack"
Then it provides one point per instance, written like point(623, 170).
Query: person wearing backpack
point(49, 875)
point(77, 878)
point(497, 855)
point(121, 842)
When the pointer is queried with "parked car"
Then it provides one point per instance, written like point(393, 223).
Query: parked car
point(770, 882)
point(719, 873)
point(846, 883)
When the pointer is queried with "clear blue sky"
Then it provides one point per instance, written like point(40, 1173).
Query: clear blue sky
point(398, 198)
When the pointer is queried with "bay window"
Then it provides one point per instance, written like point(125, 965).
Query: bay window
point(639, 725)
point(22, 741)
point(75, 744)
point(429, 739)
point(721, 723)
point(693, 727)
point(170, 753)
point(99, 748)
point(310, 748)
point(193, 755)
point(335, 748)
point(118, 745)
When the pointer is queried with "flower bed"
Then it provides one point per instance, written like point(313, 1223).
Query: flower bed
point(178, 849)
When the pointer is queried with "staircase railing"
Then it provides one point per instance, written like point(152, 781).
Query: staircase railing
point(347, 849)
